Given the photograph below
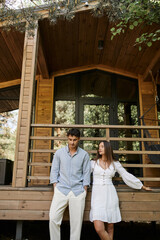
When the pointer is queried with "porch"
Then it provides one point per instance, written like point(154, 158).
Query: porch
point(32, 202)
point(66, 49)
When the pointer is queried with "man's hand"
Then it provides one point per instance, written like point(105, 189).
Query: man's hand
point(85, 188)
point(54, 185)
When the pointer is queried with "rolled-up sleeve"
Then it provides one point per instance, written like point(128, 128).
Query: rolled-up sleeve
point(55, 168)
point(128, 178)
point(86, 170)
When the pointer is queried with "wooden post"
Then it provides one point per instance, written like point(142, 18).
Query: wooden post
point(19, 230)
point(25, 109)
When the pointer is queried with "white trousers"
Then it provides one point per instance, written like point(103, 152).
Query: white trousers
point(76, 209)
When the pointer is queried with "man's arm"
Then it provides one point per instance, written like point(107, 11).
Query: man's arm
point(86, 171)
point(55, 169)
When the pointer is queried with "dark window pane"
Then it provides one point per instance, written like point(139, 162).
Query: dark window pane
point(126, 89)
point(96, 84)
point(65, 87)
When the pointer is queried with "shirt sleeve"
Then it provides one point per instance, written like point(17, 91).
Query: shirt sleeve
point(55, 169)
point(92, 165)
point(86, 170)
point(128, 178)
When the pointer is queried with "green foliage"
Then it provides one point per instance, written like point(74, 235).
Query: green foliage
point(148, 38)
point(109, 8)
point(64, 114)
point(124, 13)
point(25, 16)
point(8, 124)
point(138, 13)
point(131, 14)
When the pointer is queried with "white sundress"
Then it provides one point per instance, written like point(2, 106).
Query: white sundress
point(104, 199)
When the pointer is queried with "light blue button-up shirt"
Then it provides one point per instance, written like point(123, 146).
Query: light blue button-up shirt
point(71, 173)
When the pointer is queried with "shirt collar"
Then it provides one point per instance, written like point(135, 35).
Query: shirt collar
point(67, 149)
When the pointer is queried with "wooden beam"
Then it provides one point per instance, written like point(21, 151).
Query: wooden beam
point(117, 71)
point(152, 64)
point(99, 67)
point(23, 127)
point(42, 63)
point(10, 83)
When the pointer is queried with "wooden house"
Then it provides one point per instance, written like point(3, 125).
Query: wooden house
point(74, 66)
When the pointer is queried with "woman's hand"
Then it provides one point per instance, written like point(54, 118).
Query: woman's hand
point(146, 188)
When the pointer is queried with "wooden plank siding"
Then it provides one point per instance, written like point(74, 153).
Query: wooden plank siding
point(147, 99)
point(25, 109)
point(34, 204)
point(44, 114)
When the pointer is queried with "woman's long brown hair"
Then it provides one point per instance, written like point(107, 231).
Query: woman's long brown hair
point(108, 152)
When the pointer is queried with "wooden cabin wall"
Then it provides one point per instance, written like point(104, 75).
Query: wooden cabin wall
point(147, 99)
point(44, 115)
point(34, 203)
point(25, 109)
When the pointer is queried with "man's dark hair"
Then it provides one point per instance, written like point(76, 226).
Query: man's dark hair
point(74, 132)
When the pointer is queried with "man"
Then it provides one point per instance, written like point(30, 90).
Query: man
point(70, 176)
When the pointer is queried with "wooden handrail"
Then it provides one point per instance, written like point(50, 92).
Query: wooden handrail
point(130, 165)
point(106, 137)
point(36, 125)
point(155, 179)
point(123, 152)
point(97, 139)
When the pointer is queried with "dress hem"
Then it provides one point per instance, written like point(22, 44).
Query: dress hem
point(105, 221)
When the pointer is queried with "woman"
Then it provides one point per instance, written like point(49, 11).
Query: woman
point(104, 200)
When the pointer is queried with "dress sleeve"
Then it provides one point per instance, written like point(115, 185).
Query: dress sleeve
point(128, 178)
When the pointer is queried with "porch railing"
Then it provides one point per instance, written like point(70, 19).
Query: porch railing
point(108, 137)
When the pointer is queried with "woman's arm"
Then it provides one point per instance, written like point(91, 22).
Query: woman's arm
point(128, 178)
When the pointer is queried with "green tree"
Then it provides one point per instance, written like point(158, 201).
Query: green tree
point(24, 14)
point(8, 126)
point(65, 114)
point(132, 14)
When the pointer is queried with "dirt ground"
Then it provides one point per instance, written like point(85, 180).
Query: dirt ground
point(38, 230)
